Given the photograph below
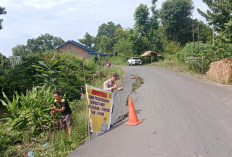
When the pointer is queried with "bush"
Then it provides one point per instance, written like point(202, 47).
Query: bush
point(29, 115)
point(21, 77)
point(171, 47)
point(206, 54)
point(30, 111)
point(119, 60)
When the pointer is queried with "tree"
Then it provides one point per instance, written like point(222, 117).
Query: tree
point(105, 38)
point(21, 77)
point(123, 47)
point(226, 35)
point(154, 33)
point(4, 62)
point(145, 35)
point(20, 50)
point(140, 34)
point(39, 44)
point(2, 11)
point(176, 20)
point(108, 30)
point(219, 13)
point(44, 42)
point(141, 17)
point(219, 16)
point(155, 16)
point(205, 31)
point(88, 40)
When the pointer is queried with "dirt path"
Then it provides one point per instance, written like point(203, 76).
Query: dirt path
point(182, 117)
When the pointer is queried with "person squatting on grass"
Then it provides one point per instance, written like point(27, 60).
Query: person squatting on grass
point(62, 105)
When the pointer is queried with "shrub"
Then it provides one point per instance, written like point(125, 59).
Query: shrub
point(30, 111)
point(205, 56)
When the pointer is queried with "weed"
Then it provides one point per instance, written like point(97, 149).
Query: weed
point(137, 84)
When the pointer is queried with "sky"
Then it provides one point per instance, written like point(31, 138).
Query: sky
point(68, 19)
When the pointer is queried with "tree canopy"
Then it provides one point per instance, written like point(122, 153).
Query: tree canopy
point(2, 11)
point(176, 20)
point(39, 44)
point(88, 40)
point(219, 16)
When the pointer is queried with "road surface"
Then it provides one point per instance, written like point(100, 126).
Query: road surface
point(182, 117)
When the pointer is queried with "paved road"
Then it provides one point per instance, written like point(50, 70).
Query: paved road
point(182, 117)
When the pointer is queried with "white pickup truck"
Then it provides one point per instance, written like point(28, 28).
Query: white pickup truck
point(134, 61)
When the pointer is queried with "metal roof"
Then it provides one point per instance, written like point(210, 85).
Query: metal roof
point(81, 46)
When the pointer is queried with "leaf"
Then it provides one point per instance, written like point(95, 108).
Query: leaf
point(43, 64)
point(44, 75)
point(60, 67)
point(54, 62)
point(36, 66)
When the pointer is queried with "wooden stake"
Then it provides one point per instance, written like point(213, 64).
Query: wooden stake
point(87, 109)
point(213, 35)
point(198, 36)
point(193, 36)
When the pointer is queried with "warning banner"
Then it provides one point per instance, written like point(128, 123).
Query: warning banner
point(100, 104)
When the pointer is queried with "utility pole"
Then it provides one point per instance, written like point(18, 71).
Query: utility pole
point(198, 36)
point(213, 35)
point(193, 35)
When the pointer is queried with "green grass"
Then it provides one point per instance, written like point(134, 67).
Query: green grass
point(105, 73)
point(172, 63)
point(137, 84)
point(61, 144)
point(117, 60)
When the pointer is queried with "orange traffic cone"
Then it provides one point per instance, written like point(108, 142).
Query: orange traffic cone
point(133, 119)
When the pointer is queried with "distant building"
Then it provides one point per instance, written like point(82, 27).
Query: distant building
point(14, 60)
point(79, 49)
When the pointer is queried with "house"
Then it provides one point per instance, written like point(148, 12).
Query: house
point(79, 49)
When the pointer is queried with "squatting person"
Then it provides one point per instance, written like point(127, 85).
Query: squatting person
point(62, 105)
point(111, 85)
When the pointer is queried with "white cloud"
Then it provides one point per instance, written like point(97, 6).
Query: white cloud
point(38, 4)
point(4, 3)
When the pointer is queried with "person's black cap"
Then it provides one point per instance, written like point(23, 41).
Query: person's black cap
point(115, 76)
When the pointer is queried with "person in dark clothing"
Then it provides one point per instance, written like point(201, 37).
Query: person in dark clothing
point(62, 105)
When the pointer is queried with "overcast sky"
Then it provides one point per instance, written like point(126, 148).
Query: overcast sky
point(68, 19)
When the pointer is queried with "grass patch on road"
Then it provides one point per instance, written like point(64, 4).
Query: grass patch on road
point(137, 84)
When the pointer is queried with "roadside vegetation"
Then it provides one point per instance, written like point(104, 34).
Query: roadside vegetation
point(187, 45)
point(29, 125)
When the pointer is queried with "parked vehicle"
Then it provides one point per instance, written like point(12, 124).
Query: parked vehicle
point(134, 61)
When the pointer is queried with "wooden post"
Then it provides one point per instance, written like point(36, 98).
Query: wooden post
point(198, 37)
point(87, 109)
point(193, 36)
point(213, 35)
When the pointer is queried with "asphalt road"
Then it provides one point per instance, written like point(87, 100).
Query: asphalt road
point(182, 117)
